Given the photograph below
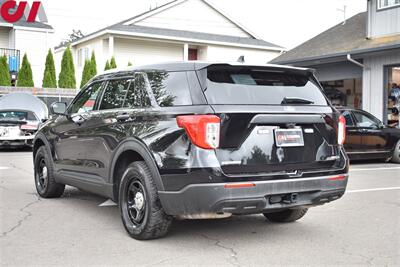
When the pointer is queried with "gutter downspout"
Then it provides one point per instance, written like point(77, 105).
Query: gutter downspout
point(355, 61)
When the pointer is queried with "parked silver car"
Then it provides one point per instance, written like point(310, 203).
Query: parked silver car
point(20, 117)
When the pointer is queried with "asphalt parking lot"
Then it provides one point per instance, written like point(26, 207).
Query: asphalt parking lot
point(362, 228)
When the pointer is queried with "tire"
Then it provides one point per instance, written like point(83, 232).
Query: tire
point(140, 207)
point(286, 216)
point(45, 184)
point(396, 153)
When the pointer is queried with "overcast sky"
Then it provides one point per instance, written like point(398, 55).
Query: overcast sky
point(285, 22)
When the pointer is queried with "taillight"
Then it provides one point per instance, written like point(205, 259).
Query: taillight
point(341, 130)
point(203, 130)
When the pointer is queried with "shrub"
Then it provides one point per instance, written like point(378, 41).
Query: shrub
point(93, 67)
point(66, 78)
point(86, 73)
point(113, 64)
point(107, 66)
point(5, 79)
point(25, 74)
point(49, 75)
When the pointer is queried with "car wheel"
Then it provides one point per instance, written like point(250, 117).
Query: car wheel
point(286, 215)
point(396, 153)
point(46, 186)
point(141, 211)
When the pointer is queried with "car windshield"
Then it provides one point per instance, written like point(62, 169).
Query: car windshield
point(245, 85)
point(13, 115)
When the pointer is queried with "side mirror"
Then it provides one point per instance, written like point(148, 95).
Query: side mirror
point(59, 108)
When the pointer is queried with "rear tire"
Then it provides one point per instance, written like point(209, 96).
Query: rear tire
point(46, 186)
point(396, 153)
point(141, 211)
point(286, 216)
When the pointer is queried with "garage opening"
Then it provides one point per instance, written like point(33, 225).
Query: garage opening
point(347, 92)
point(392, 94)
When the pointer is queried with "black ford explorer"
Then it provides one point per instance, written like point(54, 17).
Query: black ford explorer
point(196, 140)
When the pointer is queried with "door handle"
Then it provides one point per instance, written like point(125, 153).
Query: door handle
point(123, 117)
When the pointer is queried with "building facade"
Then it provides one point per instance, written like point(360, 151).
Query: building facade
point(33, 38)
point(179, 30)
point(357, 61)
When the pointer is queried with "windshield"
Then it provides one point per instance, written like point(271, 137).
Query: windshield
point(249, 86)
point(16, 115)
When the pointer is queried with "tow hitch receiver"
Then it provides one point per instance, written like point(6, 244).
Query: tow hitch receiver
point(285, 199)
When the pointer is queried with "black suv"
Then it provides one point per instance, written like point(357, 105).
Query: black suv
point(196, 140)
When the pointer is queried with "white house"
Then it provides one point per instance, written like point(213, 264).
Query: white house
point(22, 37)
point(179, 30)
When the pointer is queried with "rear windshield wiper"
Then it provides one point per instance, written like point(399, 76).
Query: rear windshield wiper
point(295, 100)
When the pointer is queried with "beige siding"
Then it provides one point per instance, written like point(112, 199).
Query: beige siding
point(231, 54)
point(36, 45)
point(373, 81)
point(4, 37)
point(193, 15)
point(145, 52)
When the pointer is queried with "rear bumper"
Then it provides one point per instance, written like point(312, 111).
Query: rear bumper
point(264, 196)
point(16, 141)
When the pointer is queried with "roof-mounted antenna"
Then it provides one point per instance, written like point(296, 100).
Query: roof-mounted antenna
point(241, 59)
point(344, 13)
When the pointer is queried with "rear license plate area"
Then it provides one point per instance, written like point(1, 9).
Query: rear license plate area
point(289, 137)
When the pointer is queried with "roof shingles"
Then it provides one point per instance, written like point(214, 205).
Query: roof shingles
point(338, 40)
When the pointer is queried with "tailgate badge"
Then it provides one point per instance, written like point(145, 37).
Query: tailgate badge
point(263, 131)
point(309, 130)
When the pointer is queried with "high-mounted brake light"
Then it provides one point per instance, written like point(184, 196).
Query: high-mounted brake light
point(203, 130)
point(341, 130)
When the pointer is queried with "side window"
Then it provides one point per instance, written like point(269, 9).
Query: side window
point(349, 120)
point(86, 101)
point(366, 120)
point(170, 88)
point(137, 94)
point(114, 94)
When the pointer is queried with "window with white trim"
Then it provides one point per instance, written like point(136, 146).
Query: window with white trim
point(382, 4)
point(83, 54)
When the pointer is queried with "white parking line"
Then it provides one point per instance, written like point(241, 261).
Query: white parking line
point(373, 189)
point(375, 169)
point(108, 203)
point(4, 168)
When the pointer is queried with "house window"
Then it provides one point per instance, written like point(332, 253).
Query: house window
point(83, 54)
point(382, 4)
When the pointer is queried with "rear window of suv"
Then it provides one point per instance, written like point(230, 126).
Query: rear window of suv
point(252, 86)
point(170, 88)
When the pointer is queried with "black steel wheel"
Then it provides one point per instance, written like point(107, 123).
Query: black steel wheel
point(141, 211)
point(136, 202)
point(46, 186)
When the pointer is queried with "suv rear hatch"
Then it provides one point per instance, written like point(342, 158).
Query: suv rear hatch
point(274, 120)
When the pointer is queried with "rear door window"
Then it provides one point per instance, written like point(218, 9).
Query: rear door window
point(170, 88)
point(114, 94)
point(137, 94)
point(259, 86)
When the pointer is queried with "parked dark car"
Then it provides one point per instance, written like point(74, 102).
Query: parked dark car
point(20, 117)
point(368, 138)
point(196, 140)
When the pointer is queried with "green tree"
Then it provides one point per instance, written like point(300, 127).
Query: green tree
point(5, 79)
point(49, 75)
point(93, 67)
point(113, 64)
point(129, 63)
point(25, 74)
point(66, 78)
point(86, 73)
point(107, 66)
